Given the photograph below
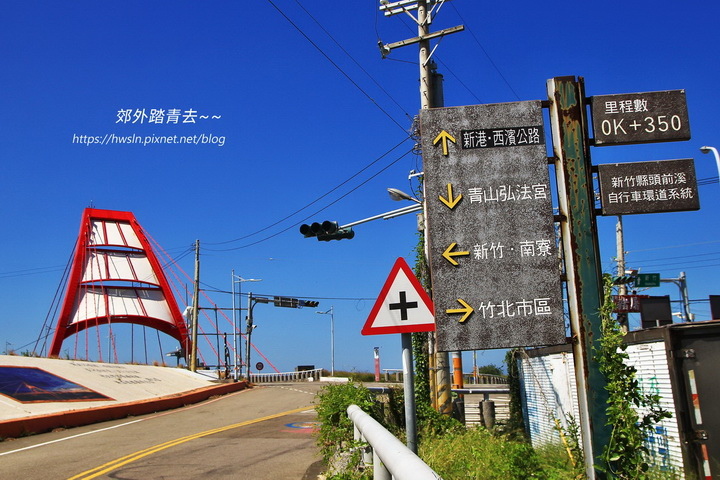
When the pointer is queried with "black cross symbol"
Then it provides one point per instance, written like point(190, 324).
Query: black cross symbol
point(403, 306)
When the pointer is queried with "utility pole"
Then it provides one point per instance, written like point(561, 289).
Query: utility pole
point(248, 333)
point(681, 283)
point(622, 288)
point(195, 309)
point(430, 96)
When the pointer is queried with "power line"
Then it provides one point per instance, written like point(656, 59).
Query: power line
point(492, 62)
point(320, 197)
point(314, 213)
point(650, 260)
point(674, 246)
point(327, 57)
point(355, 61)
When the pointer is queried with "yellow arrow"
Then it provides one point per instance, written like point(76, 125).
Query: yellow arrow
point(467, 310)
point(450, 202)
point(444, 136)
point(448, 254)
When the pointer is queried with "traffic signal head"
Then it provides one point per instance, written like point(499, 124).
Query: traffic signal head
point(307, 303)
point(326, 231)
point(337, 235)
point(623, 279)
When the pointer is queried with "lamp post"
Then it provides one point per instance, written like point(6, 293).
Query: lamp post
point(332, 338)
point(715, 153)
point(396, 194)
point(237, 279)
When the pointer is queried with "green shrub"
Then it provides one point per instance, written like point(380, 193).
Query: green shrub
point(336, 429)
point(477, 453)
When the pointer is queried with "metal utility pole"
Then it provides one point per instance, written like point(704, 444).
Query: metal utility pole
point(248, 334)
point(576, 200)
point(681, 283)
point(331, 312)
point(622, 288)
point(430, 96)
point(195, 308)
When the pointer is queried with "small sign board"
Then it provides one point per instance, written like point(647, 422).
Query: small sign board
point(648, 187)
point(655, 311)
point(627, 303)
point(640, 118)
point(644, 280)
point(403, 306)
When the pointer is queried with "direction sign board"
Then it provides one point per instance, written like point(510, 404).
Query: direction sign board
point(647, 280)
point(492, 247)
point(648, 187)
point(403, 306)
point(640, 117)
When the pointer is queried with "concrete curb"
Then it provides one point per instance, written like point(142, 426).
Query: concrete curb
point(75, 418)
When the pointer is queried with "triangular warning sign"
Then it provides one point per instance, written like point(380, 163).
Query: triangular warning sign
point(402, 306)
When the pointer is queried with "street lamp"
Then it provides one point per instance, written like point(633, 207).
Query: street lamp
point(237, 279)
point(332, 339)
point(398, 195)
point(715, 153)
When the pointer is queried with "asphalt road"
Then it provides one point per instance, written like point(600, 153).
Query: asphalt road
point(261, 433)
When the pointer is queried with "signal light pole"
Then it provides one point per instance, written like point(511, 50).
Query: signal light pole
point(331, 231)
point(331, 312)
point(287, 302)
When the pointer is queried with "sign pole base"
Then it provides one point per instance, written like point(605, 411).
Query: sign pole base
point(409, 392)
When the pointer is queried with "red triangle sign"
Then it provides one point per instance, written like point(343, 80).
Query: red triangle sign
point(403, 306)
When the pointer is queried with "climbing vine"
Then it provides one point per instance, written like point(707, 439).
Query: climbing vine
point(625, 454)
point(420, 339)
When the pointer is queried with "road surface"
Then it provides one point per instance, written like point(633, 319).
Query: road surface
point(261, 433)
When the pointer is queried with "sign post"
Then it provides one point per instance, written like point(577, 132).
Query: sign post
point(402, 307)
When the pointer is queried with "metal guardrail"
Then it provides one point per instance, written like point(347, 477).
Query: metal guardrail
point(303, 375)
point(484, 379)
point(485, 392)
point(390, 458)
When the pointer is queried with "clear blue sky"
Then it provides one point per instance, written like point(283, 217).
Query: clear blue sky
point(305, 103)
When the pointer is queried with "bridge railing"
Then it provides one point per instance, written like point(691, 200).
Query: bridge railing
point(390, 457)
point(303, 375)
point(484, 379)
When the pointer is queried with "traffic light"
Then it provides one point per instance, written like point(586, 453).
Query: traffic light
point(307, 303)
point(623, 279)
point(289, 302)
point(326, 231)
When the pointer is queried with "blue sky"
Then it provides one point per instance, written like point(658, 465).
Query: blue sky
point(305, 103)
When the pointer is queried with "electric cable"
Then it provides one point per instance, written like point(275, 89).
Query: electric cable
point(312, 214)
point(318, 198)
point(355, 61)
point(327, 57)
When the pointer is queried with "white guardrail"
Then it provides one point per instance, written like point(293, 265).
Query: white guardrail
point(390, 458)
point(303, 375)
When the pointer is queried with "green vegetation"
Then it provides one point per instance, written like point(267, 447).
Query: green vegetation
point(354, 376)
point(444, 443)
point(625, 453)
point(504, 452)
point(481, 454)
point(490, 370)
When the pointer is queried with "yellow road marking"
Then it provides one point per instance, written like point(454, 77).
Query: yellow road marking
point(122, 461)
